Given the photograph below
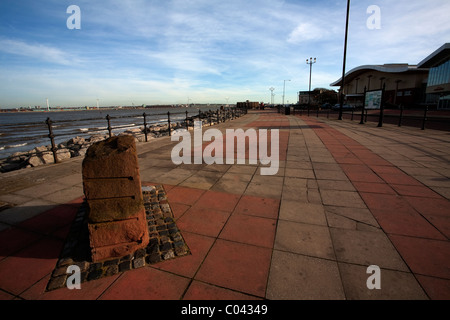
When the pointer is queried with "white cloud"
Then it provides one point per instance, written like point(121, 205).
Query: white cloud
point(38, 52)
point(306, 31)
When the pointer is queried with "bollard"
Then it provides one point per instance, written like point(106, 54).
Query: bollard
point(52, 139)
point(168, 121)
point(424, 118)
point(363, 107)
point(401, 116)
point(380, 120)
point(109, 125)
point(145, 127)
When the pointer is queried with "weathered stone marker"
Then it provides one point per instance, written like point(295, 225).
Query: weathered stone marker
point(112, 187)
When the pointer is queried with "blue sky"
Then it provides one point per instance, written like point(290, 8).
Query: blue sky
point(201, 51)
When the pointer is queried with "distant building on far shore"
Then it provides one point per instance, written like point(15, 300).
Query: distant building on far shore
point(427, 83)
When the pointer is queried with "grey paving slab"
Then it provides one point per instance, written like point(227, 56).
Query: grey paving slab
point(202, 180)
point(342, 198)
point(341, 185)
point(366, 248)
point(64, 195)
point(265, 186)
point(394, 285)
point(298, 277)
point(40, 190)
point(296, 211)
point(302, 238)
point(15, 198)
point(361, 215)
point(331, 175)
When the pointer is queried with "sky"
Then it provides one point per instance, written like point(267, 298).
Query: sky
point(134, 52)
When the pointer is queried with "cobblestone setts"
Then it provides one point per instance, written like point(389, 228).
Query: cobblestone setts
point(166, 242)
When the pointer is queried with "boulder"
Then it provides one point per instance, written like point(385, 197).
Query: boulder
point(47, 158)
point(35, 161)
point(63, 154)
point(40, 149)
point(76, 141)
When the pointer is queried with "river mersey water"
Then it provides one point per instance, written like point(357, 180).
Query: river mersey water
point(23, 131)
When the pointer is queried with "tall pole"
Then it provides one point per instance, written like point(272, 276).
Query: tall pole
point(284, 89)
point(271, 95)
point(310, 62)
point(48, 107)
point(345, 58)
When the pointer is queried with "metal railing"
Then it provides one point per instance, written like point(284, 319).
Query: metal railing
point(152, 124)
point(423, 119)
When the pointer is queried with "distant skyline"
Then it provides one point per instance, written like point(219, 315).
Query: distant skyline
point(200, 51)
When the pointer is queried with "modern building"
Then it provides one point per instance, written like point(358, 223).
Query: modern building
point(405, 84)
point(318, 96)
point(439, 75)
point(304, 97)
point(427, 83)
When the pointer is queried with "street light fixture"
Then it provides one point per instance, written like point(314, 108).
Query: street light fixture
point(284, 89)
point(310, 62)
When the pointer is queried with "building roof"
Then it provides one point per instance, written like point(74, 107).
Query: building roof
point(386, 68)
point(437, 57)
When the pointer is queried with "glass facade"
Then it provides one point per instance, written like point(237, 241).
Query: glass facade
point(439, 75)
point(444, 103)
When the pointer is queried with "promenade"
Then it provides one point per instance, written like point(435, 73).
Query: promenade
point(346, 197)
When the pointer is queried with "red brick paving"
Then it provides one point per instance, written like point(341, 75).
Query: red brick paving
point(416, 219)
point(237, 234)
point(237, 266)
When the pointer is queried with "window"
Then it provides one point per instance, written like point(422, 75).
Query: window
point(439, 75)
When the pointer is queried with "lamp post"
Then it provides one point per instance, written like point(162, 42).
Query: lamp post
point(284, 89)
point(310, 62)
point(271, 95)
point(341, 107)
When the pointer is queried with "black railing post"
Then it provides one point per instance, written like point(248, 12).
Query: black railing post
point(187, 126)
point(145, 126)
point(168, 121)
point(401, 116)
point(108, 118)
point(363, 106)
point(52, 139)
point(209, 117)
point(380, 120)
point(424, 118)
